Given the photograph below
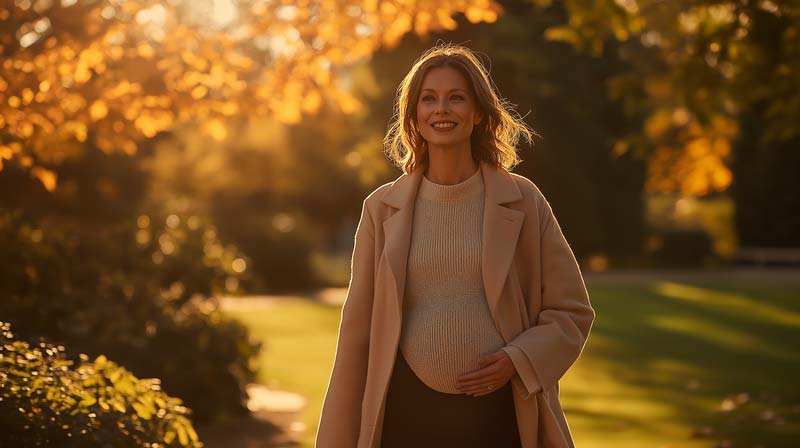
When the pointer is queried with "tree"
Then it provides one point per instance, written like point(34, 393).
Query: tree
point(698, 66)
point(116, 72)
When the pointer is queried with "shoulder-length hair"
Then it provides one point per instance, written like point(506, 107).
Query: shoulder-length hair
point(493, 140)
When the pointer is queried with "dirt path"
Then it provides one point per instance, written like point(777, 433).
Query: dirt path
point(272, 422)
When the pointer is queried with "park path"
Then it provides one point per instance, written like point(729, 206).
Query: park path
point(273, 420)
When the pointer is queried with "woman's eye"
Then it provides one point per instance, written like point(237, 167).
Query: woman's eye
point(458, 97)
point(427, 97)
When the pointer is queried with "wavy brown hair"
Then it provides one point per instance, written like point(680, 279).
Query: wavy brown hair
point(493, 140)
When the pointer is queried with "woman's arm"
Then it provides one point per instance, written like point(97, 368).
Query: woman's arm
point(566, 316)
point(340, 420)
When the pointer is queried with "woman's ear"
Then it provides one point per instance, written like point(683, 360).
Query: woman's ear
point(478, 118)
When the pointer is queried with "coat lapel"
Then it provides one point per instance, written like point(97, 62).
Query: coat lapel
point(501, 227)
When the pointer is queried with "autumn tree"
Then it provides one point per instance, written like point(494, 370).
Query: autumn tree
point(116, 72)
point(698, 67)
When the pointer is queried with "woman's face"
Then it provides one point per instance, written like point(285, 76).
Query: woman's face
point(446, 110)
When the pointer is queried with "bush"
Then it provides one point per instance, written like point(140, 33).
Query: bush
point(137, 292)
point(47, 400)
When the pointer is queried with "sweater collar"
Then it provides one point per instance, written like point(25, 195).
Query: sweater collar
point(499, 185)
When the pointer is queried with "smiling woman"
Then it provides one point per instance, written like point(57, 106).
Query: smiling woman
point(455, 89)
point(466, 305)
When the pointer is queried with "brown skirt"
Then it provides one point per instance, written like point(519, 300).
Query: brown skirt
point(420, 417)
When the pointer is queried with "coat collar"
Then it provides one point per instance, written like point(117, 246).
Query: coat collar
point(500, 187)
point(501, 227)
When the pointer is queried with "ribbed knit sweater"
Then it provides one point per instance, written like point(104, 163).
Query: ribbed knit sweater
point(447, 324)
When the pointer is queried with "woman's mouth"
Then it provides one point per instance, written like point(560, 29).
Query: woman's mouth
point(443, 126)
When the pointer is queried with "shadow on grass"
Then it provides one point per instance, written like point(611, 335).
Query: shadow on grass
point(681, 361)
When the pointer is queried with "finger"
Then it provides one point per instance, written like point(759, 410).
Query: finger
point(480, 376)
point(487, 358)
point(490, 358)
point(484, 385)
point(480, 391)
point(489, 370)
point(478, 384)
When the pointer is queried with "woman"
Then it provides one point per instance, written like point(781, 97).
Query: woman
point(466, 304)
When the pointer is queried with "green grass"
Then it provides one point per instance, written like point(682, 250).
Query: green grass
point(661, 360)
point(299, 344)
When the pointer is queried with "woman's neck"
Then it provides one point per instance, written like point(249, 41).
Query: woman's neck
point(450, 167)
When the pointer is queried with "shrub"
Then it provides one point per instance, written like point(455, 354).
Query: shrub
point(137, 292)
point(47, 400)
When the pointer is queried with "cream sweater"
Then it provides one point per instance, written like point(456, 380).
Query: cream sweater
point(447, 324)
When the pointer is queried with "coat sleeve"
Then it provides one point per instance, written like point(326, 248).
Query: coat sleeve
point(340, 419)
point(555, 342)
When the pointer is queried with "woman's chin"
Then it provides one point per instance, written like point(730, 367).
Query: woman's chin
point(446, 143)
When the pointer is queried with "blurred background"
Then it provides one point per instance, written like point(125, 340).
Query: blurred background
point(180, 183)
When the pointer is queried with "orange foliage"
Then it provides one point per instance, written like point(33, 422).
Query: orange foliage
point(114, 72)
point(697, 168)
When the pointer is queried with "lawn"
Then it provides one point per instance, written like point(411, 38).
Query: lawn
point(668, 364)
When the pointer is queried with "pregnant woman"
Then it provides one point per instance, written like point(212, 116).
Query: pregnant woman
point(466, 304)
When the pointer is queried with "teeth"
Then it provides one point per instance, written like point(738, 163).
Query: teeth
point(443, 125)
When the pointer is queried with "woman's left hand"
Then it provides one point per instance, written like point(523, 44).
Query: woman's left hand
point(496, 370)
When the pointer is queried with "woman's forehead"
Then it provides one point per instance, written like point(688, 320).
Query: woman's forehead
point(444, 79)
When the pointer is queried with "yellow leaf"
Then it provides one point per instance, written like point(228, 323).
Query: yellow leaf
point(6, 152)
point(396, 29)
point(183, 436)
point(87, 401)
point(145, 51)
point(561, 33)
point(142, 411)
point(288, 112)
point(45, 176)
point(27, 96)
point(98, 110)
point(658, 123)
point(216, 129)
point(445, 18)
point(229, 108)
point(77, 128)
point(312, 101)
point(347, 102)
point(128, 147)
point(199, 92)
point(422, 24)
point(474, 14)
point(169, 436)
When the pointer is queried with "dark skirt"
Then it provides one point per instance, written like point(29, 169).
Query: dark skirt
point(420, 417)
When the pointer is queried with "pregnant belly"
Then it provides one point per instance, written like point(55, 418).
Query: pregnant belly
point(443, 340)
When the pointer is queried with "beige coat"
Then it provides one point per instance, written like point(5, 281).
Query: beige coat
point(534, 290)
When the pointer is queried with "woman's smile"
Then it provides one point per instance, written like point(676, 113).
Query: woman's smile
point(444, 126)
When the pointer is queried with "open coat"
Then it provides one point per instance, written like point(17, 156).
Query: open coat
point(533, 287)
